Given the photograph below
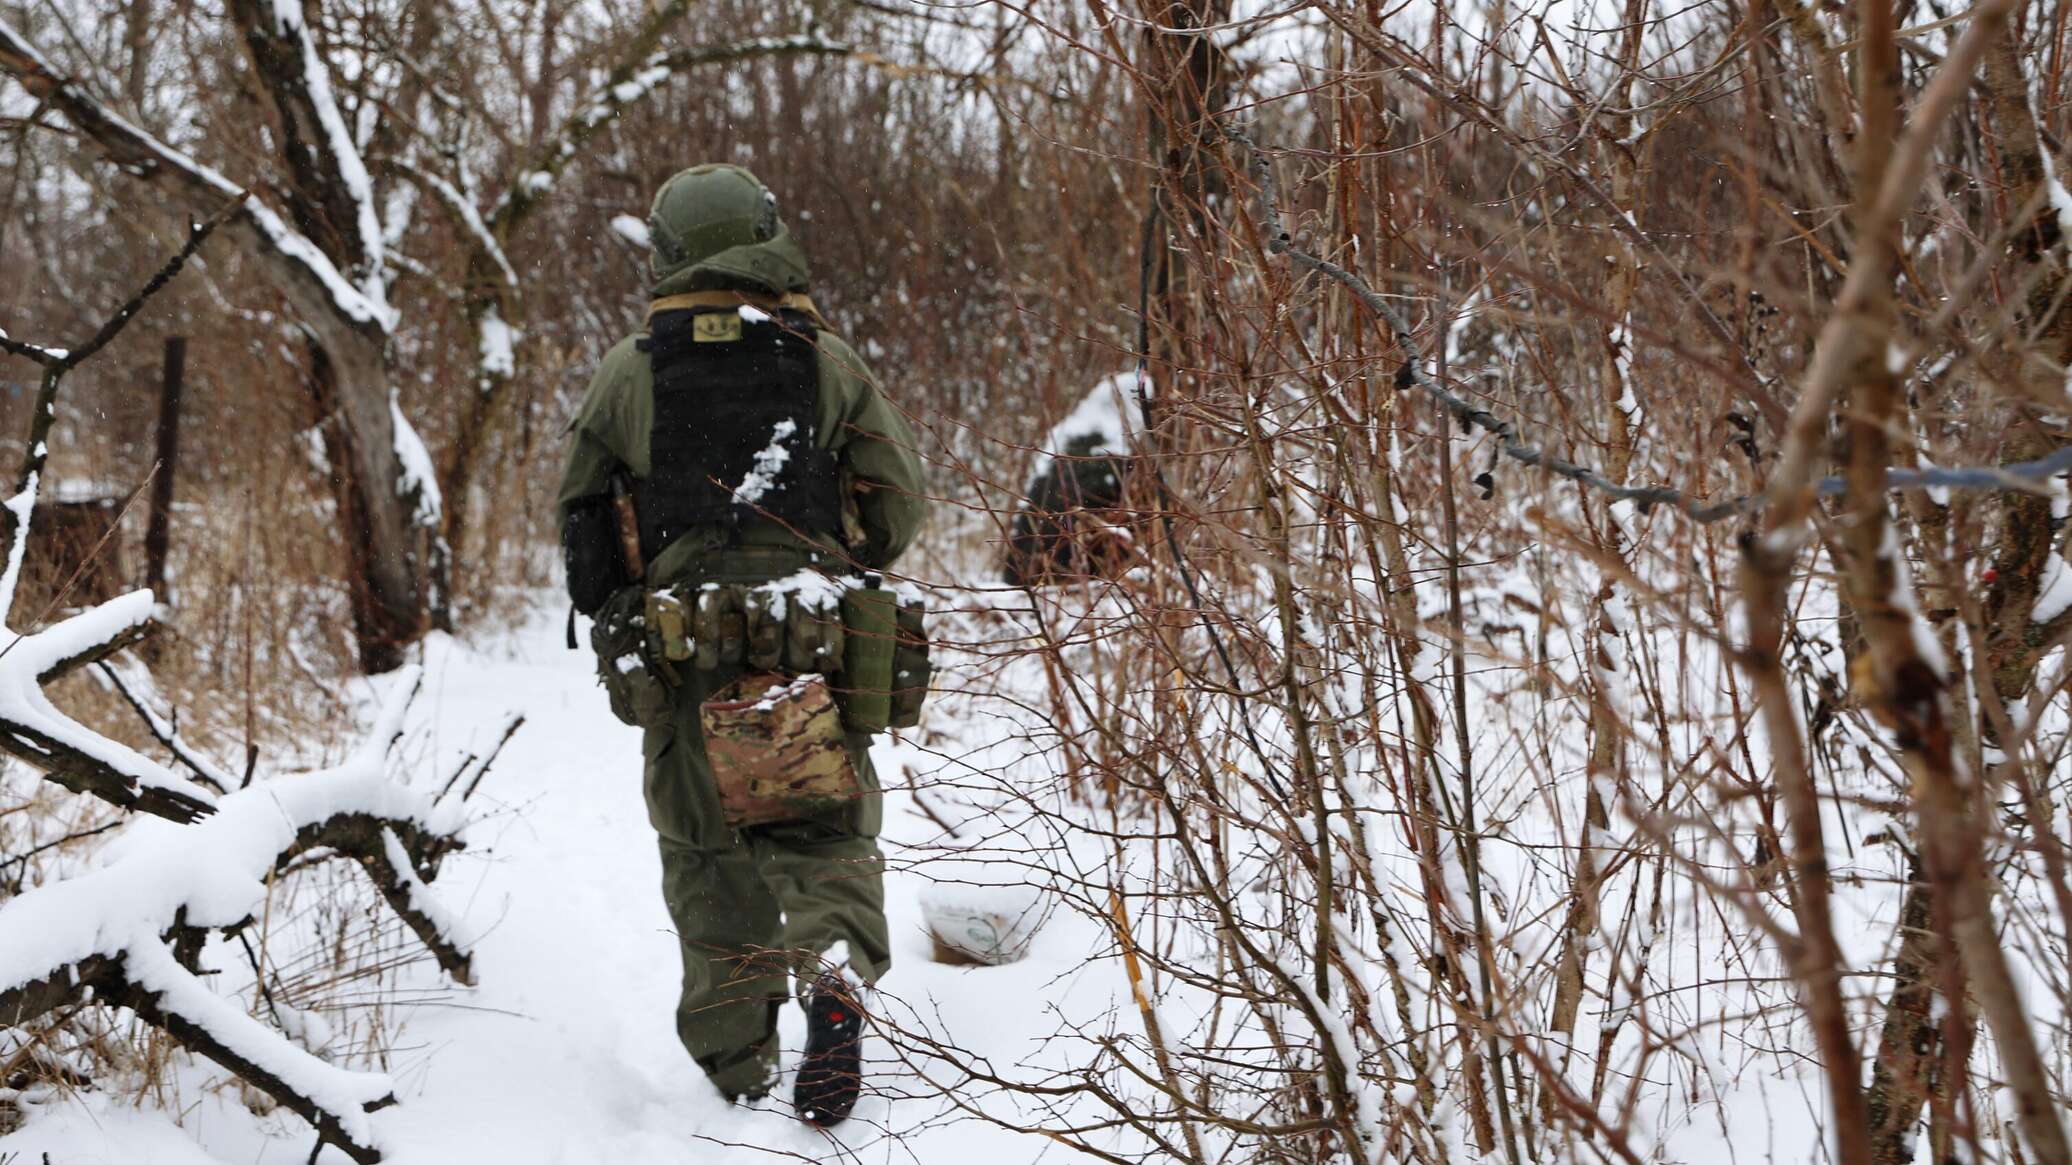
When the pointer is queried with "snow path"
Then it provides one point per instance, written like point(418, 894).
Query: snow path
point(567, 1052)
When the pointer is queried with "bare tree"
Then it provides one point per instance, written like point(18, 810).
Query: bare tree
point(325, 233)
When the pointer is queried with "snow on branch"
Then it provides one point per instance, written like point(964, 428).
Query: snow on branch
point(639, 74)
point(419, 478)
point(329, 175)
point(301, 267)
point(69, 753)
point(30, 726)
point(461, 205)
point(292, 21)
point(112, 935)
point(2026, 476)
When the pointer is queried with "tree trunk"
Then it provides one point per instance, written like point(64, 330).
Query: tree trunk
point(386, 547)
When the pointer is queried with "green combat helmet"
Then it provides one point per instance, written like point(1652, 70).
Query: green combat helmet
point(716, 226)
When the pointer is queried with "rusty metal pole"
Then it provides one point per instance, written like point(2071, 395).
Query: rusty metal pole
point(158, 535)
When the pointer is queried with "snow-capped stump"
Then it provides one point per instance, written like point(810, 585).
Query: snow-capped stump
point(1073, 520)
point(975, 919)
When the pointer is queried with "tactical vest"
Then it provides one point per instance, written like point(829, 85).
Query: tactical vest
point(735, 439)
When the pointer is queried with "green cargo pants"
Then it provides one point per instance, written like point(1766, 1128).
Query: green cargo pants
point(755, 906)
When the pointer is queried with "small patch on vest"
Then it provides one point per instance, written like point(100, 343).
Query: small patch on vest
point(718, 327)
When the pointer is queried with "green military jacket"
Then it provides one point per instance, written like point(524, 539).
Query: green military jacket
point(871, 439)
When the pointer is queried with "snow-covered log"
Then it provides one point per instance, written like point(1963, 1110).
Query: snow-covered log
point(124, 934)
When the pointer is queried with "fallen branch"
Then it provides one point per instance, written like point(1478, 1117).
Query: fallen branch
point(512, 723)
point(113, 935)
point(69, 753)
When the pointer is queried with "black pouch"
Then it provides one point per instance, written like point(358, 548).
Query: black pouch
point(639, 696)
point(590, 554)
point(911, 669)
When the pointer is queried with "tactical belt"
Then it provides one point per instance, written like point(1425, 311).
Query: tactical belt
point(690, 300)
point(876, 640)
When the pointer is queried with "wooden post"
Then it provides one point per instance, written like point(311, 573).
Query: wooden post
point(158, 535)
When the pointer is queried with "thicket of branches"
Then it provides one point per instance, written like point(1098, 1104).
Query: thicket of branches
point(1527, 718)
point(1535, 716)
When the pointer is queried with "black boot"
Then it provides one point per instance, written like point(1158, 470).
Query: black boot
point(831, 1073)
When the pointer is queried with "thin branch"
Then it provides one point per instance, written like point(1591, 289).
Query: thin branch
point(2026, 476)
point(301, 270)
point(167, 733)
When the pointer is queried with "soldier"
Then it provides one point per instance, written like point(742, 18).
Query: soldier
point(752, 444)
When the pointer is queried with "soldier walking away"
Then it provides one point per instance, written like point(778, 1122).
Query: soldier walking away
point(734, 477)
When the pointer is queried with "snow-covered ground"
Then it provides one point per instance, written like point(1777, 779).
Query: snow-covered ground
point(566, 1051)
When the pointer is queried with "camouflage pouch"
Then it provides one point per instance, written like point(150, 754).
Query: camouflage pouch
point(911, 669)
point(777, 750)
point(619, 636)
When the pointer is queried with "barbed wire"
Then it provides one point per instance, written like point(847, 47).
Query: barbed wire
point(2025, 476)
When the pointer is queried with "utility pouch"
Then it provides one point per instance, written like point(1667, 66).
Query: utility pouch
point(761, 627)
point(719, 626)
point(619, 636)
point(669, 626)
point(777, 750)
point(590, 553)
point(870, 623)
point(911, 669)
point(763, 621)
point(812, 638)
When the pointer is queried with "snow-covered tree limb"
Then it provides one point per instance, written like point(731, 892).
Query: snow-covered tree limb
point(67, 752)
point(30, 726)
point(301, 269)
point(111, 935)
point(329, 187)
point(461, 206)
